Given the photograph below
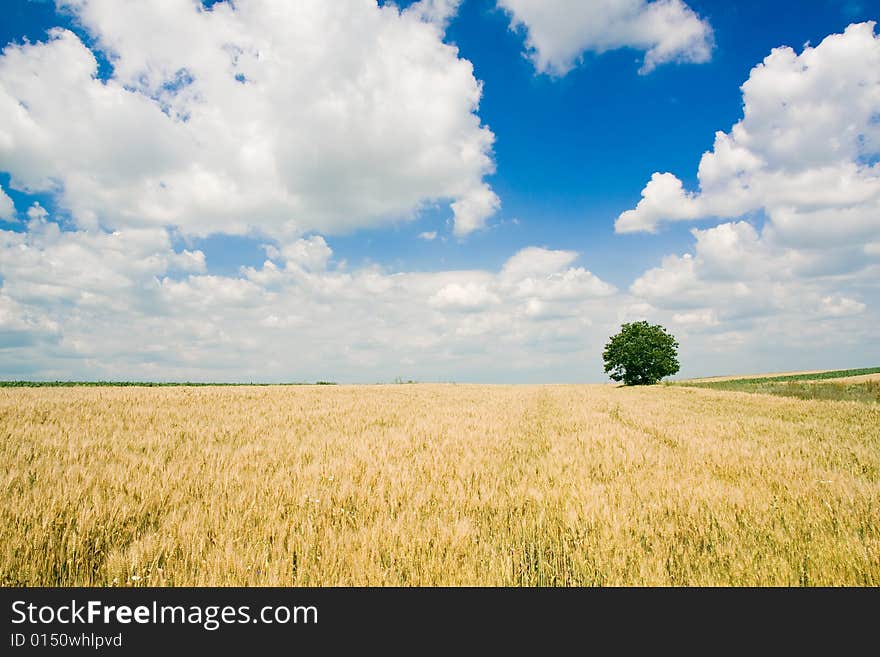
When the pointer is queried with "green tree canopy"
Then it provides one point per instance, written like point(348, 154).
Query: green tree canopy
point(641, 354)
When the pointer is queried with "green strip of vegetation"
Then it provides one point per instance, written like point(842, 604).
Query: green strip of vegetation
point(819, 376)
point(869, 391)
point(804, 386)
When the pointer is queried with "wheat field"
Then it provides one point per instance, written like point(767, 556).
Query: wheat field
point(436, 485)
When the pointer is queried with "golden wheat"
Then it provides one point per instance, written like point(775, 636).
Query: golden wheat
point(436, 485)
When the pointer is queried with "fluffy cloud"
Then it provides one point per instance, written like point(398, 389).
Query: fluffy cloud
point(838, 306)
point(805, 152)
point(126, 304)
point(739, 292)
point(311, 254)
point(7, 207)
point(19, 327)
point(472, 209)
point(267, 116)
point(731, 273)
point(465, 296)
point(438, 12)
point(663, 199)
point(542, 275)
point(46, 265)
point(699, 318)
point(560, 31)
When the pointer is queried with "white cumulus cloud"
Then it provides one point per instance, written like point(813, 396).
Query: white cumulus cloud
point(804, 153)
point(473, 208)
point(742, 298)
point(91, 303)
point(265, 116)
point(559, 32)
point(7, 207)
point(838, 306)
point(438, 12)
point(466, 296)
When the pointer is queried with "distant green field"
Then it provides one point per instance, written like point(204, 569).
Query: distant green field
point(835, 374)
point(803, 386)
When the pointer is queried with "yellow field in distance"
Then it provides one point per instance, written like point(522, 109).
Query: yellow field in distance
point(436, 485)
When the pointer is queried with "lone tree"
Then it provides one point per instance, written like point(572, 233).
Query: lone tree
point(641, 354)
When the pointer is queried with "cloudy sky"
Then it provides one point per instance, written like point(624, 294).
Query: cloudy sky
point(484, 190)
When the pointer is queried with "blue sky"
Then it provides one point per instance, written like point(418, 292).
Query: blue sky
point(571, 151)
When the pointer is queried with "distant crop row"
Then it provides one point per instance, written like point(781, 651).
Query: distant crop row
point(836, 374)
point(866, 391)
point(822, 385)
